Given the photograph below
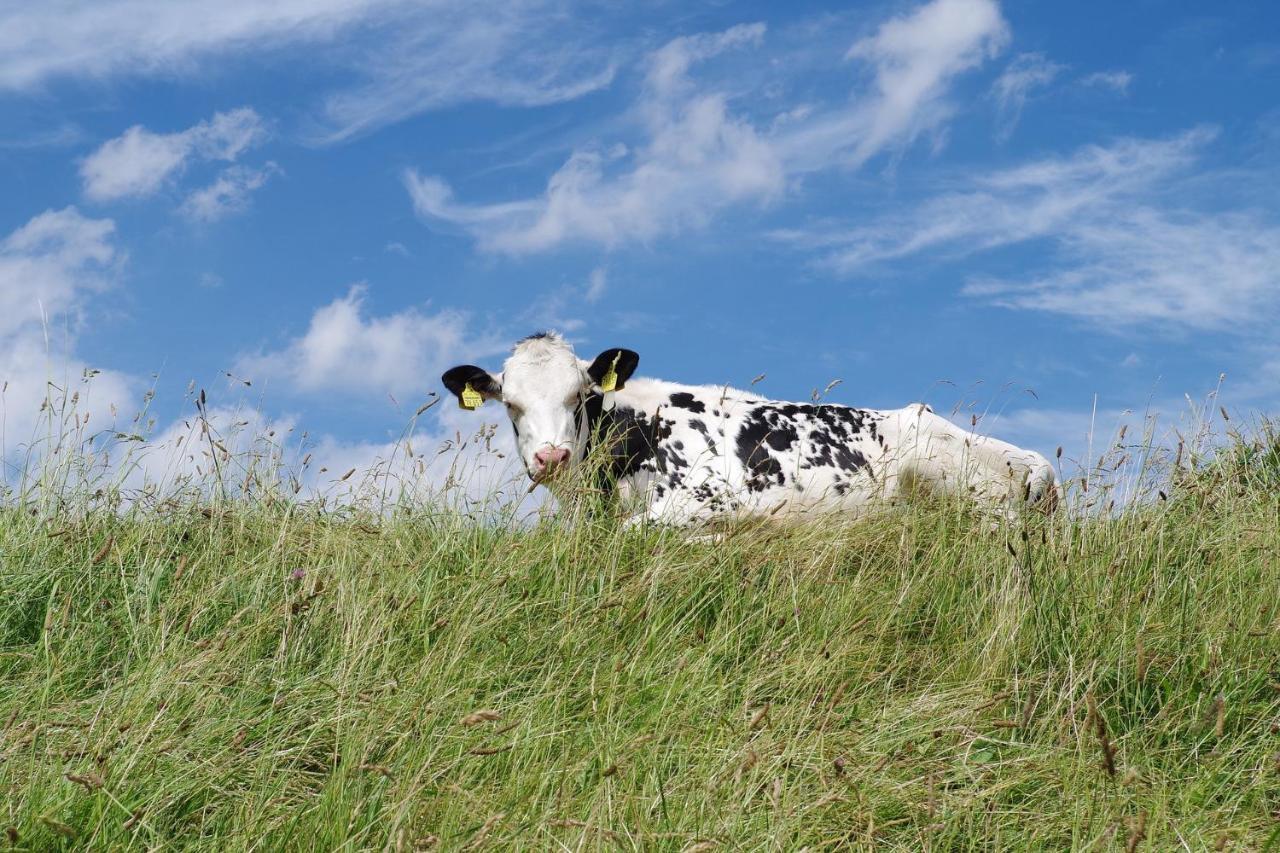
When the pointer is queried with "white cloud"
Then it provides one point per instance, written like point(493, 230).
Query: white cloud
point(1020, 78)
point(48, 263)
point(139, 162)
point(228, 194)
point(344, 350)
point(597, 283)
point(63, 38)
point(467, 460)
point(1011, 205)
point(914, 60)
point(47, 269)
point(58, 260)
point(1180, 268)
point(404, 56)
point(464, 459)
point(524, 53)
point(697, 158)
point(1118, 81)
point(1125, 251)
point(915, 57)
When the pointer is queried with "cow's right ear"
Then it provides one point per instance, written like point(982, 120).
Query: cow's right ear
point(471, 385)
point(612, 368)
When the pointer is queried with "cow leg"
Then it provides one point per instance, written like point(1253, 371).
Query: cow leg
point(673, 510)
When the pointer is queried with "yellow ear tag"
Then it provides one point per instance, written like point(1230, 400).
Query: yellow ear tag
point(609, 381)
point(470, 398)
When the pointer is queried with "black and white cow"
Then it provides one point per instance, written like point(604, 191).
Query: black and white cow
point(691, 453)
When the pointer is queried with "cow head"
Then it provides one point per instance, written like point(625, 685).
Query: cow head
point(545, 388)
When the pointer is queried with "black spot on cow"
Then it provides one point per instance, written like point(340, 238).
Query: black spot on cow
point(636, 443)
point(753, 452)
point(697, 425)
point(627, 435)
point(833, 451)
point(782, 437)
point(685, 400)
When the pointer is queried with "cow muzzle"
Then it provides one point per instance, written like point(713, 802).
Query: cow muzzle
point(549, 460)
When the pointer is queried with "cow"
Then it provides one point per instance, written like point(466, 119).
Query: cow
point(688, 454)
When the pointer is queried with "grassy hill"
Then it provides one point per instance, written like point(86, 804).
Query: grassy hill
point(248, 673)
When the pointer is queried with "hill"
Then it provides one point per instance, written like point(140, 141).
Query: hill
point(261, 674)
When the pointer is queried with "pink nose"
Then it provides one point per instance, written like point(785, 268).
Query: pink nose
point(548, 456)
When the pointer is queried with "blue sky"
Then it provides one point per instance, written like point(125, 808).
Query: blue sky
point(953, 200)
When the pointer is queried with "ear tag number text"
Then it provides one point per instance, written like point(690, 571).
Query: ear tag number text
point(470, 398)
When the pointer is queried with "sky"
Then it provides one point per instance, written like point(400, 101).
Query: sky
point(1043, 215)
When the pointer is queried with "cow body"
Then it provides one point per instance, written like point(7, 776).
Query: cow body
point(696, 453)
point(684, 454)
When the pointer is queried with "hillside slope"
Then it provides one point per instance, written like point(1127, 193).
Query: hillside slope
point(281, 678)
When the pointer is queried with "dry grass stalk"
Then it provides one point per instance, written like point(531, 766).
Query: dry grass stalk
point(486, 715)
point(1104, 740)
point(484, 830)
point(90, 780)
point(1137, 832)
point(1143, 658)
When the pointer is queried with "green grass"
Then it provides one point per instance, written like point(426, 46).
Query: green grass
point(913, 681)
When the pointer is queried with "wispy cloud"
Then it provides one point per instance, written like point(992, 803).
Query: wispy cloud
point(59, 135)
point(228, 194)
point(1006, 206)
point(525, 53)
point(399, 57)
point(344, 350)
point(915, 59)
point(1126, 249)
point(597, 284)
point(696, 157)
point(1117, 81)
point(44, 41)
point(139, 162)
point(1182, 268)
point(1020, 78)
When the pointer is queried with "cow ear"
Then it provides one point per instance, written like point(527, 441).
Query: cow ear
point(471, 385)
point(621, 363)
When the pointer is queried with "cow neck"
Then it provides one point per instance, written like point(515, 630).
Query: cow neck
point(633, 437)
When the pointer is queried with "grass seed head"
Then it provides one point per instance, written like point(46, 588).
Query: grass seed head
point(475, 718)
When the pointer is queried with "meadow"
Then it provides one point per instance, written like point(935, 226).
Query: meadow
point(245, 669)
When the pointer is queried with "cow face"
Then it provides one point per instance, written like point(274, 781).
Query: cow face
point(545, 388)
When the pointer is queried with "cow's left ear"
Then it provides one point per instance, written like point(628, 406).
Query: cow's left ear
point(619, 362)
point(471, 385)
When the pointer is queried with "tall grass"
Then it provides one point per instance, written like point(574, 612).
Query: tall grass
point(226, 665)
